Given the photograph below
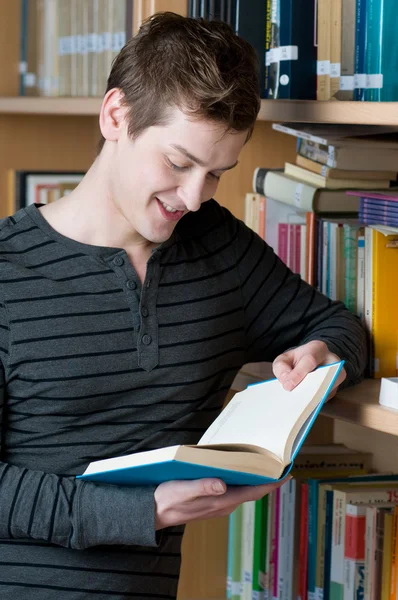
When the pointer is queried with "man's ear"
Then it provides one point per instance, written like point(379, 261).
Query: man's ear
point(112, 115)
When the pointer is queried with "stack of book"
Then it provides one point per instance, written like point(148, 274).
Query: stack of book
point(316, 49)
point(331, 217)
point(333, 537)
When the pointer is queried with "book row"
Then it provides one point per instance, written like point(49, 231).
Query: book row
point(316, 49)
point(331, 538)
point(67, 46)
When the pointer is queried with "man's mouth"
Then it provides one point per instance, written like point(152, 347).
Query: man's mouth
point(169, 212)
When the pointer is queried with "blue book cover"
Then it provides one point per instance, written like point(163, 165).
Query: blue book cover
point(369, 217)
point(381, 51)
point(254, 440)
point(385, 206)
point(360, 48)
point(328, 544)
point(297, 50)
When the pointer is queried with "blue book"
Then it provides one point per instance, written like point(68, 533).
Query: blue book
point(381, 51)
point(254, 440)
point(360, 48)
point(294, 54)
point(370, 217)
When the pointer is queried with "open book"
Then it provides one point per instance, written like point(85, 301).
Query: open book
point(254, 439)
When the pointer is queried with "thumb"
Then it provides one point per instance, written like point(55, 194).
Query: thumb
point(206, 487)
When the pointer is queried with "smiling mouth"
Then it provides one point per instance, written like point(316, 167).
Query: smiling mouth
point(168, 208)
point(168, 212)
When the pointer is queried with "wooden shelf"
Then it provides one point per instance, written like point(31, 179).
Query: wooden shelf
point(51, 106)
point(307, 111)
point(366, 113)
point(358, 405)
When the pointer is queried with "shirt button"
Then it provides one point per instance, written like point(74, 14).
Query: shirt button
point(144, 311)
point(118, 261)
point(131, 285)
point(146, 339)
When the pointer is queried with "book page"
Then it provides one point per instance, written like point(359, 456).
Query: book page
point(265, 414)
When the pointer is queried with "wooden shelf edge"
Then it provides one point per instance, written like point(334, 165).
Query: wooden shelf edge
point(358, 405)
point(305, 111)
point(333, 111)
point(51, 106)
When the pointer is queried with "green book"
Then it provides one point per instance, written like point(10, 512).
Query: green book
point(236, 552)
point(260, 547)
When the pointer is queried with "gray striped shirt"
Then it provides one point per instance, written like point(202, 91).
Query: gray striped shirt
point(97, 365)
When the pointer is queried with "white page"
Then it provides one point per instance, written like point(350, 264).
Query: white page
point(264, 414)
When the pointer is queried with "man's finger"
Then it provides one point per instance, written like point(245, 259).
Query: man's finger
point(305, 365)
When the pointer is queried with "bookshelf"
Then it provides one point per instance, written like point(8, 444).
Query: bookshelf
point(62, 133)
point(367, 113)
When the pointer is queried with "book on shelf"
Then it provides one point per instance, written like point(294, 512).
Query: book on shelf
point(307, 197)
point(332, 173)
point(255, 439)
point(292, 54)
point(67, 48)
point(323, 181)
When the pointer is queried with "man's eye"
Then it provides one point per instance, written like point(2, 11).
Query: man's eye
point(176, 167)
point(214, 176)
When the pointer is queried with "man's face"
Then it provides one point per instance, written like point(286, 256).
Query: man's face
point(170, 170)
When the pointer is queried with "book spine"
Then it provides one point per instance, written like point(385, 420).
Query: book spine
point(297, 50)
point(328, 544)
point(360, 304)
point(312, 537)
point(260, 533)
point(236, 584)
point(323, 63)
point(246, 15)
point(350, 258)
point(275, 551)
point(247, 549)
point(368, 307)
point(320, 550)
point(335, 46)
point(346, 91)
point(231, 545)
point(273, 72)
point(373, 53)
point(370, 551)
point(303, 545)
point(354, 552)
point(283, 242)
point(387, 556)
point(360, 45)
point(268, 29)
point(336, 587)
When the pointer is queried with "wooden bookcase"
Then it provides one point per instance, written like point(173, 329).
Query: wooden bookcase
point(52, 133)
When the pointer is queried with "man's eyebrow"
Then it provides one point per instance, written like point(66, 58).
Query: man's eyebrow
point(197, 160)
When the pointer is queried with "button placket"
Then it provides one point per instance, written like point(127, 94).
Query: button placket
point(148, 346)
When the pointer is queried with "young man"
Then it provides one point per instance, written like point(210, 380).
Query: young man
point(127, 309)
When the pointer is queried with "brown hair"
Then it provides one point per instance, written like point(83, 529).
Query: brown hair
point(200, 66)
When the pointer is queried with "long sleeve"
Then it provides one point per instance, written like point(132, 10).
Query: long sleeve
point(63, 510)
point(283, 311)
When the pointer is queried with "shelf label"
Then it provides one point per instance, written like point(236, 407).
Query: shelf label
point(297, 194)
point(323, 67)
point(347, 83)
point(276, 55)
point(335, 70)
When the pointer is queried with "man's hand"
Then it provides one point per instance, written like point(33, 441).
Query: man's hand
point(292, 366)
point(179, 502)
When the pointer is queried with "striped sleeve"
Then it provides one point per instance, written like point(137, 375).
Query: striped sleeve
point(283, 311)
point(63, 510)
